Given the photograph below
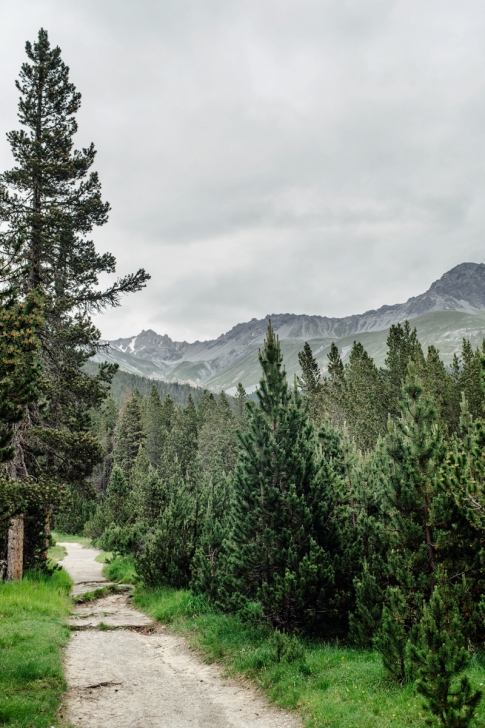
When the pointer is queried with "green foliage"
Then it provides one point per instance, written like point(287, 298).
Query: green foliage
point(331, 685)
point(280, 548)
point(310, 382)
point(123, 383)
point(392, 638)
point(168, 550)
point(49, 204)
point(441, 659)
point(240, 400)
point(32, 636)
point(129, 434)
point(365, 400)
point(20, 322)
point(402, 346)
point(154, 427)
point(121, 569)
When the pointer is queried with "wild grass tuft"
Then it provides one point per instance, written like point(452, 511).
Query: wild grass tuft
point(121, 569)
point(57, 553)
point(32, 633)
point(69, 538)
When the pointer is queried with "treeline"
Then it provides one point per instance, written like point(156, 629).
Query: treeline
point(124, 381)
point(347, 507)
point(360, 396)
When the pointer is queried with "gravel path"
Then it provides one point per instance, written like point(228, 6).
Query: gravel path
point(138, 675)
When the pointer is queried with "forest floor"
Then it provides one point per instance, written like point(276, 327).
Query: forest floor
point(123, 670)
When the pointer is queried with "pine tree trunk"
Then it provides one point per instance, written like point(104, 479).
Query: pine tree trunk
point(15, 553)
point(47, 531)
point(17, 470)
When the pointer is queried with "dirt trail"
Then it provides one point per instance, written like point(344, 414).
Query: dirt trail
point(137, 675)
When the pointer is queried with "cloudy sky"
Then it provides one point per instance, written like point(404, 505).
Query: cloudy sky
point(260, 156)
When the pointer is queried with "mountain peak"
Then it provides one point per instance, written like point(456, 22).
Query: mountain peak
point(456, 300)
point(464, 282)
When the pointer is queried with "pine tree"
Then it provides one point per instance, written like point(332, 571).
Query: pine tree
point(185, 432)
point(19, 366)
point(335, 365)
point(459, 506)
point(117, 506)
point(365, 402)
point(217, 441)
point(392, 638)
point(154, 427)
point(129, 434)
point(20, 372)
point(372, 476)
point(416, 449)
point(438, 383)
point(148, 492)
point(169, 413)
point(240, 399)
point(310, 382)
point(441, 660)
point(402, 346)
point(470, 381)
point(115, 517)
point(167, 552)
point(334, 388)
point(278, 549)
point(49, 204)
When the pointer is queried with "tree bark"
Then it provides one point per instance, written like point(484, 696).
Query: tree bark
point(47, 531)
point(17, 470)
point(15, 556)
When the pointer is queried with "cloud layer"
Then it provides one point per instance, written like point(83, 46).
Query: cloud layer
point(269, 156)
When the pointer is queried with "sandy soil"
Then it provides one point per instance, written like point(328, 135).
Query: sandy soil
point(138, 675)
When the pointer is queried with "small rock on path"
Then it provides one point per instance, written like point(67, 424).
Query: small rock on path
point(122, 678)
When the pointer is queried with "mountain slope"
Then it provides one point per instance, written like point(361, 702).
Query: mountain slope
point(452, 308)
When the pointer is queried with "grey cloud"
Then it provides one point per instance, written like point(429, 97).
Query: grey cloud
point(264, 156)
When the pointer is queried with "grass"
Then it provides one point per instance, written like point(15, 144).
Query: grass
point(121, 569)
point(104, 557)
point(69, 538)
point(57, 553)
point(104, 591)
point(32, 634)
point(327, 684)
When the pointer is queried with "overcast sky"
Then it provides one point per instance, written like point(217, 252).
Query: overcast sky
point(271, 156)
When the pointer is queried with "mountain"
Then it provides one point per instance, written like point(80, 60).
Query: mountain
point(452, 308)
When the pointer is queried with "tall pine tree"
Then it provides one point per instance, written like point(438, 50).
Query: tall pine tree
point(49, 204)
point(280, 551)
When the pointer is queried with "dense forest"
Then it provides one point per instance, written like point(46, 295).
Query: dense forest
point(345, 507)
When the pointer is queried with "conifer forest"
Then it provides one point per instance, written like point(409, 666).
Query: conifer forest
point(345, 507)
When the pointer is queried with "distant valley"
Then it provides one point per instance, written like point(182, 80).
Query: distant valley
point(452, 309)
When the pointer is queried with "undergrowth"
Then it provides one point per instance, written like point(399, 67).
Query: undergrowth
point(330, 685)
point(121, 569)
point(69, 538)
point(32, 633)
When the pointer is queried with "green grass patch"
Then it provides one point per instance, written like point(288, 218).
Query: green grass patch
point(69, 538)
point(329, 685)
point(57, 553)
point(104, 557)
point(32, 634)
point(121, 569)
point(103, 591)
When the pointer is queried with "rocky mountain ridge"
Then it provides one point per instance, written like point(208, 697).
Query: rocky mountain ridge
point(459, 293)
